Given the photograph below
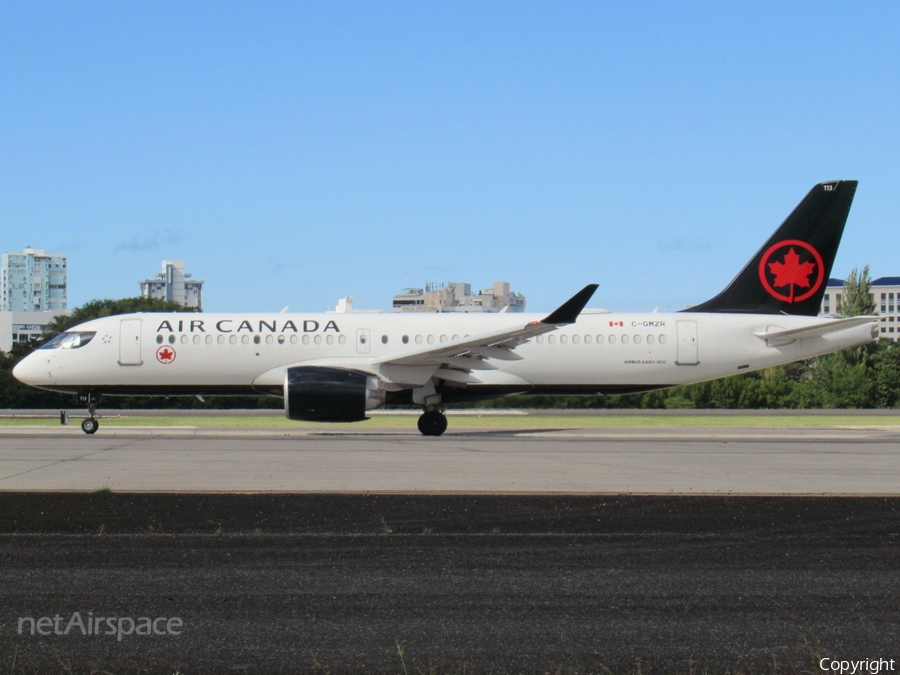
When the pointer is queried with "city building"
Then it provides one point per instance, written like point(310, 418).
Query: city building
point(886, 296)
point(458, 297)
point(23, 326)
point(33, 281)
point(32, 292)
point(172, 283)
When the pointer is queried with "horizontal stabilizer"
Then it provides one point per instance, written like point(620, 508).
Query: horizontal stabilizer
point(816, 330)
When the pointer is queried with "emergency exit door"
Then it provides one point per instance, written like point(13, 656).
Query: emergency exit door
point(687, 344)
point(362, 340)
point(130, 342)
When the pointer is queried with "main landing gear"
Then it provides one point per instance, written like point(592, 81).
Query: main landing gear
point(91, 424)
point(432, 423)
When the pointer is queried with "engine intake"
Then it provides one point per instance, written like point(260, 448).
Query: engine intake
point(321, 394)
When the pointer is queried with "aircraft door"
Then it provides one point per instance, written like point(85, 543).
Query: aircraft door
point(130, 342)
point(687, 343)
point(362, 340)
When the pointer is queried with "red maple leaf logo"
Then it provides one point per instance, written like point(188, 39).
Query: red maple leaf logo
point(792, 272)
point(165, 355)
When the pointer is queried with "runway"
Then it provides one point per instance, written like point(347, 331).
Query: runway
point(833, 460)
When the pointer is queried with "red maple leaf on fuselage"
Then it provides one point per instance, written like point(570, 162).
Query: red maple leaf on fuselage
point(165, 355)
point(792, 272)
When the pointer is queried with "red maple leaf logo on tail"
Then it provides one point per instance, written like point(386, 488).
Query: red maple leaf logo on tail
point(792, 272)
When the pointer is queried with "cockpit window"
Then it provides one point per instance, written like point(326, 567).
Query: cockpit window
point(70, 340)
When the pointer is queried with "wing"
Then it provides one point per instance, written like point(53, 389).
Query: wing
point(457, 358)
point(451, 361)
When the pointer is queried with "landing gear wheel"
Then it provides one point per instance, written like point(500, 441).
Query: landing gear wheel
point(90, 426)
point(432, 423)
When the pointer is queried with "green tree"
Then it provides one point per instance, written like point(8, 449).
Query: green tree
point(886, 364)
point(844, 379)
point(857, 297)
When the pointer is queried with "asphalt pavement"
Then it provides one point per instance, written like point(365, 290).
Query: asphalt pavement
point(271, 583)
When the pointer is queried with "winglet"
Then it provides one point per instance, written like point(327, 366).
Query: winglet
point(568, 311)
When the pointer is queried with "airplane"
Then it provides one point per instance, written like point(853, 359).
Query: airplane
point(337, 367)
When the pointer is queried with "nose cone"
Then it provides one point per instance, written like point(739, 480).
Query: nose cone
point(33, 370)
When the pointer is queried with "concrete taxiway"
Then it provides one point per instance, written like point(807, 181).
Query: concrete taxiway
point(833, 460)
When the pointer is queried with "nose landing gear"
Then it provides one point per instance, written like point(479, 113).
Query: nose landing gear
point(432, 423)
point(91, 424)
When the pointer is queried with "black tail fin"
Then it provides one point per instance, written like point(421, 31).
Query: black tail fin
point(789, 273)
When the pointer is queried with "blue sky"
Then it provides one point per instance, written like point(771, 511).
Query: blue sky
point(294, 153)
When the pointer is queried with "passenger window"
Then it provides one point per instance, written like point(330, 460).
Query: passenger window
point(551, 339)
point(256, 339)
point(318, 339)
point(245, 339)
point(563, 339)
point(329, 339)
point(342, 339)
point(662, 339)
point(384, 339)
point(624, 339)
point(184, 339)
point(431, 339)
point(306, 339)
point(539, 339)
point(293, 339)
point(221, 339)
point(281, 339)
point(612, 339)
point(159, 339)
point(650, 339)
point(637, 339)
point(576, 339)
point(209, 339)
point(196, 339)
point(443, 338)
point(405, 339)
point(587, 339)
point(232, 339)
point(171, 339)
point(418, 339)
point(599, 339)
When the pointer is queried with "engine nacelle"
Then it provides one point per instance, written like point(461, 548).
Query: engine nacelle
point(323, 394)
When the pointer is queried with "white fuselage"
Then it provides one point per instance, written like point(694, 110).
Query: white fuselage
point(199, 354)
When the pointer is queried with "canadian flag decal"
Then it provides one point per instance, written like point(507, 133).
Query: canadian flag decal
point(616, 323)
